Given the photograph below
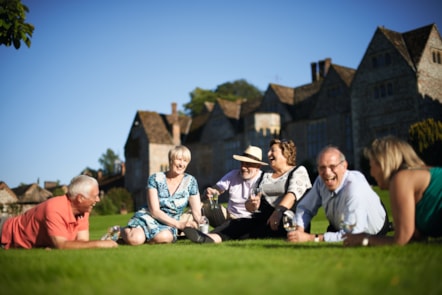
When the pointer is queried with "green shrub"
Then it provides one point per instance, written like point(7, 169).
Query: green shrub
point(115, 201)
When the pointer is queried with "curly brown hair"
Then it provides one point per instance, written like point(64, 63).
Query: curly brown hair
point(288, 149)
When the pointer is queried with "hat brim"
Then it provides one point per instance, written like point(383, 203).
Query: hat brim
point(248, 160)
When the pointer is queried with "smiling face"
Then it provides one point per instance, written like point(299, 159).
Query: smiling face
point(87, 201)
point(249, 170)
point(331, 168)
point(276, 157)
point(178, 165)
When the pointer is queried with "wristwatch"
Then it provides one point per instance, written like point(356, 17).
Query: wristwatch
point(365, 242)
point(316, 238)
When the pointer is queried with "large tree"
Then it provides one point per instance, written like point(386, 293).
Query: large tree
point(229, 91)
point(107, 162)
point(13, 28)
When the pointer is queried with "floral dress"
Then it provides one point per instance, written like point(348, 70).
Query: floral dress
point(172, 205)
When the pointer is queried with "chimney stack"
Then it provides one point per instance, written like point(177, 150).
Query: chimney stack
point(314, 71)
point(176, 132)
point(324, 66)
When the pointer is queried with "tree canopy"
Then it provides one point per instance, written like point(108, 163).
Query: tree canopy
point(108, 161)
point(426, 138)
point(13, 28)
point(229, 91)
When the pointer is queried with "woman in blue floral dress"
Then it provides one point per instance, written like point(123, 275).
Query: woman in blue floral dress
point(168, 194)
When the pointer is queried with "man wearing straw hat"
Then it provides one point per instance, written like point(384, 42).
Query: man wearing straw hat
point(238, 183)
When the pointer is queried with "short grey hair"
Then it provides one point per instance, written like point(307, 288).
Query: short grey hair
point(331, 148)
point(81, 184)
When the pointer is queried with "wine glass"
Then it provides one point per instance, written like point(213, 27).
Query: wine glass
point(255, 192)
point(214, 201)
point(348, 221)
point(288, 221)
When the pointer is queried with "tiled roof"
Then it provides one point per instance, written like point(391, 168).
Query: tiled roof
point(10, 195)
point(305, 91)
point(183, 121)
point(346, 74)
point(197, 127)
point(284, 93)
point(155, 128)
point(249, 106)
point(410, 44)
point(31, 193)
point(231, 109)
point(416, 41)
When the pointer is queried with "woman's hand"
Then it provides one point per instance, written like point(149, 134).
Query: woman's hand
point(186, 223)
point(274, 220)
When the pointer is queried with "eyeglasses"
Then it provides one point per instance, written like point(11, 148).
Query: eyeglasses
point(331, 167)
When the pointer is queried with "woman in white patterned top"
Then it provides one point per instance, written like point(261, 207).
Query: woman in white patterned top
point(281, 189)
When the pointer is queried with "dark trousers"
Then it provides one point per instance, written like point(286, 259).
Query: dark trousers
point(251, 228)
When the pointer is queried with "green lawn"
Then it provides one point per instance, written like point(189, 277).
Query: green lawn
point(236, 267)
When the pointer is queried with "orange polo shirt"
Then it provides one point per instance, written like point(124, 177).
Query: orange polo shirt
point(34, 228)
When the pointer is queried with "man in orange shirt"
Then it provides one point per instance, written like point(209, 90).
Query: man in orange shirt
point(60, 222)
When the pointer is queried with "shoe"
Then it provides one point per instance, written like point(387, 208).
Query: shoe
point(197, 236)
point(113, 233)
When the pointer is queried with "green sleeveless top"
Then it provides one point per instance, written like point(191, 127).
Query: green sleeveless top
point(429, 208)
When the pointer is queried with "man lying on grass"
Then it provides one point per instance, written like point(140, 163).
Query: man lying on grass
point(60, 222)
point(349, 202)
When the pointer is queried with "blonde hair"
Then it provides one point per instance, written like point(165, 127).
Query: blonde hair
point(393, 154)
point(179, 151)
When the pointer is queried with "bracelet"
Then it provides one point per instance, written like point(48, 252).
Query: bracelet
point(316, 238)
point(281, 209)
point(365, 242)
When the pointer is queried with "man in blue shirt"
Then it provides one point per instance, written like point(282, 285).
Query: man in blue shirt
point(344, 194)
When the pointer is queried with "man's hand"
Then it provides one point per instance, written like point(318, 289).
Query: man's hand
point(299, 236)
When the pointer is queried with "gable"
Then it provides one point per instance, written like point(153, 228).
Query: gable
point(154, 127)
point(7, 196)
point(32, 194)
point(218, 125)
point(416, 41)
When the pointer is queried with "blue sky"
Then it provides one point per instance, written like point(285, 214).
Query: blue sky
point(93, 64)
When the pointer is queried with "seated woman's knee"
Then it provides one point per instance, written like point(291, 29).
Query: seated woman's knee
point(163, 237)
point(134, 236)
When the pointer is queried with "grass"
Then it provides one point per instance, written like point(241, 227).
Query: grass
point(236, 267)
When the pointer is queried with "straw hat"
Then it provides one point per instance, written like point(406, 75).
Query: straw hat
point(252, 154)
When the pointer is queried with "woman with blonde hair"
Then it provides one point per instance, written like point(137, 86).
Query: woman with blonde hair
point(168, 194)
point(415, 193)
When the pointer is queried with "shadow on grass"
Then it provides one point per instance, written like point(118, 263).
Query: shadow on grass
point(279, 244)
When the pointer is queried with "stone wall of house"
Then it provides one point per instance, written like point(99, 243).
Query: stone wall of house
point(137, 164)
point(430, 72)
point(217, 128)
point(384, 98)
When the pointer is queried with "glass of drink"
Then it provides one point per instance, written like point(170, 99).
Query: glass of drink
point(214, 201)
point(348, 221)
point(255, 193)
point(288, 220)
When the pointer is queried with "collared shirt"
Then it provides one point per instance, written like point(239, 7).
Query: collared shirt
point(353, 195)
point(35, 227)
point(239, 191)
